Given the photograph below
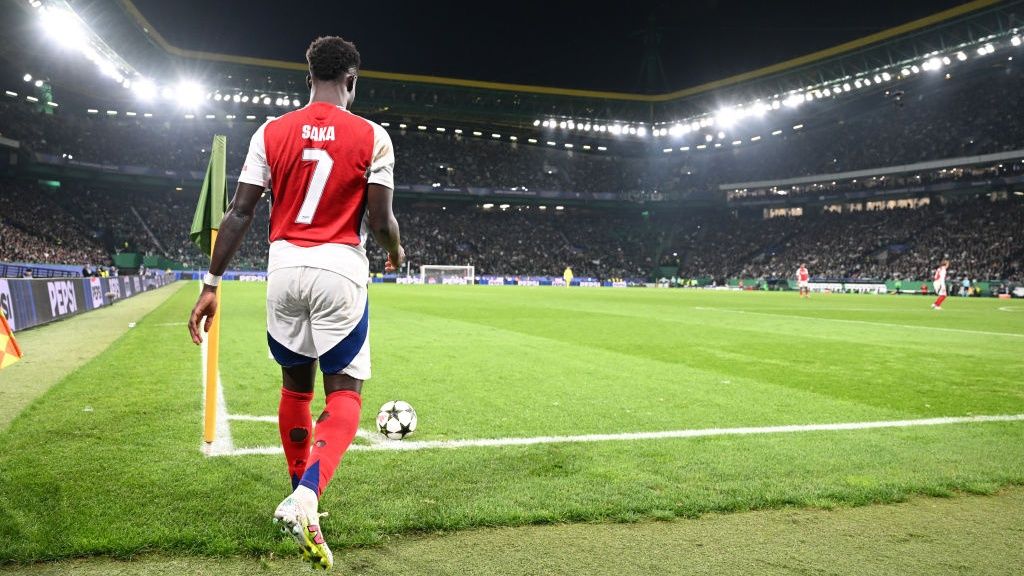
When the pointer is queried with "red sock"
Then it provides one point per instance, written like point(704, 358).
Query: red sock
point(295, 424)
point(938, 301)
point(335, 429)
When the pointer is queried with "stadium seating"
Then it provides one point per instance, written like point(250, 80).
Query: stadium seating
point(926, 117)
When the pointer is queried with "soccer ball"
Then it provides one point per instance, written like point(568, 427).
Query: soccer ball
point(396, 419)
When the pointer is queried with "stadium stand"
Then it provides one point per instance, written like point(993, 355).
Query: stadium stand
point(711, 202)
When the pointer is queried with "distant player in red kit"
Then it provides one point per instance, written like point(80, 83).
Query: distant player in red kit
point(803, 279)
point(331, 177)
point(939, 283)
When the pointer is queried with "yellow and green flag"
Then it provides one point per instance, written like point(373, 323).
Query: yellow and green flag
point(213, 199)
point(9, 351)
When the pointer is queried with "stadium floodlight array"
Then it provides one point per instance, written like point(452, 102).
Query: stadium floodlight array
point(730, 116)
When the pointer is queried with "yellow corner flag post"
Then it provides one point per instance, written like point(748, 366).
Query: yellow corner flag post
point(9, 351)
point(213, 202)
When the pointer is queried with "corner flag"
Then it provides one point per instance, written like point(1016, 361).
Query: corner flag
point(213, 198)
point(9, 351)
point(213, 202)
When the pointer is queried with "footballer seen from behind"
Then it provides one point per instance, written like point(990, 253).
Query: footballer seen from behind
point(330, 173)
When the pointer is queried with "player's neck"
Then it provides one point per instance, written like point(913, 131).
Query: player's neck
point(334, 95)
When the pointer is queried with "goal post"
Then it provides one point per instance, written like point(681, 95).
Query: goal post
point(443, 274)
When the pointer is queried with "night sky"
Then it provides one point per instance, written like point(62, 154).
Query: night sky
point(564, 44)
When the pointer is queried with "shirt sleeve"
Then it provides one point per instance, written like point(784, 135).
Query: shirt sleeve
point(256, 170)
point(382, 165)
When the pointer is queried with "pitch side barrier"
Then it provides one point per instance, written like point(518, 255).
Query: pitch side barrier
point(260, 276)
point(862, 286)
point(28, 302)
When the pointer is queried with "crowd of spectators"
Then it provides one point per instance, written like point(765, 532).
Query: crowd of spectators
point(525, 241)
point(982, 239)
point(37, 226)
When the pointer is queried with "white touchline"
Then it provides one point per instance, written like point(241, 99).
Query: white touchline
point(632, 436)
point(911, 326)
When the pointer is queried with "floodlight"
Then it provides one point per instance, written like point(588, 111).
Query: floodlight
point(726, 117)
point(189, 94)
point(144, 89)
point(64, 27)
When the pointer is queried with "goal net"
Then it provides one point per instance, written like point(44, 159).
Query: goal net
point(437, 274)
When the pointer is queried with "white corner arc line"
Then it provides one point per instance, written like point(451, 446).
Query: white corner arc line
point(372, 437)
point(251, 418)
point(410, 445)
point(849, 321)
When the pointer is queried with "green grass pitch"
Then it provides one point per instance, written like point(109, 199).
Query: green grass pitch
point(109, 462)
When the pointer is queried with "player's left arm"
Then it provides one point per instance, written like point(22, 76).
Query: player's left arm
point(232, 231)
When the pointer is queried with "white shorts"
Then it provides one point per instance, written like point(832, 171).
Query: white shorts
point(802, 284)
point(940, 287)
point(318, 314)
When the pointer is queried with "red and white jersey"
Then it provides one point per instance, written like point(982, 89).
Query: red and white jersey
point(940, 274)
point(802, 275)
point(317, 161)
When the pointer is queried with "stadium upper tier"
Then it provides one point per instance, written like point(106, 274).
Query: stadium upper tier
point(923, 118)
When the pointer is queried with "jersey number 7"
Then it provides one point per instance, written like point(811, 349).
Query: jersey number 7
point(321, 173)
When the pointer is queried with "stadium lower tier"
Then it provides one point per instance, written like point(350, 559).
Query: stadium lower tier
point(980, 236)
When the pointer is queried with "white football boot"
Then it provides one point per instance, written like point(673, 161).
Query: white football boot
point(297, 516)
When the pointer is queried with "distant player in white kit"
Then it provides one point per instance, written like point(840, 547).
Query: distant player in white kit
point(939, 283)
point(803, 279)
point(330, 174)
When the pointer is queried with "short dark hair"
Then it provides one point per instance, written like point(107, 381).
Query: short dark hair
point(331, 57)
